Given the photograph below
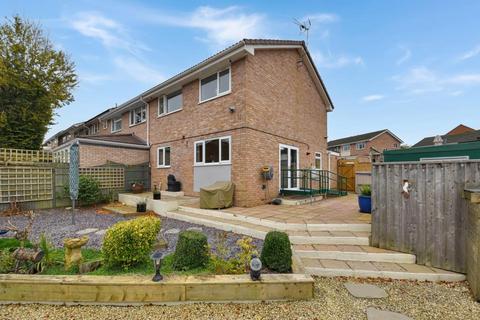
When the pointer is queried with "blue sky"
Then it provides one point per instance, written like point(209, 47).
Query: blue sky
point(410, 66)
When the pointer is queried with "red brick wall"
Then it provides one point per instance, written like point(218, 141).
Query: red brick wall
point(275, 102)
point(96, 155)
point(383, 141)
point(139, 130)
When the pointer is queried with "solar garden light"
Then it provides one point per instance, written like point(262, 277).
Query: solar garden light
point(255, 267)
point(157, 263)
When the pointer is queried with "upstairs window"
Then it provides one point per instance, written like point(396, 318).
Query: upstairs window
point(213, 151)
point(116, 125)
point(93, 129)
point(138, 115)
point(360, 146)
point(215, 85)
point(170, 103)
point(346, 147)
point(163, 157)
point(105, 124)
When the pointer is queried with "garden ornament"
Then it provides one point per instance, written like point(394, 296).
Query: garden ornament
point(406, 189)
point(73, 251)
point(73, 174)
point(157, 264)
point(255, 268)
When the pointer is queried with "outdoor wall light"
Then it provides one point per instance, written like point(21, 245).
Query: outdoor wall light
point(255, 267)
point(157, 263)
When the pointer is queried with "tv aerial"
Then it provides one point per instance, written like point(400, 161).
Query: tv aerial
point(304, 27)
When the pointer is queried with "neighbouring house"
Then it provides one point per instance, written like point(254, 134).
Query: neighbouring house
point(358, 152)
point(461, 128)
point(463, 146)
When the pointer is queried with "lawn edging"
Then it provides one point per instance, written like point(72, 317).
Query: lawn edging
point(140, 290)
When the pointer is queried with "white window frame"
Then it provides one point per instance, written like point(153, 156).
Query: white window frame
point(360, 146)
point(105, 124)
point(165, 105)
point(346, 147)
point(91, 129)
point(218, 85)
point(289, 148)
point(113, 121)
point(221, 162)
point(318, 155)
point(133, 112)
point(164, 165)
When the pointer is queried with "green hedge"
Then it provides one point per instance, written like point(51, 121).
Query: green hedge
point(191, 251)
point(277, 253)
point(128, 243)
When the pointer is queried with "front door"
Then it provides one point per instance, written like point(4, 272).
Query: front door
point(289, 164)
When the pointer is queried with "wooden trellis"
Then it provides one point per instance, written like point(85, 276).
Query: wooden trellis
point(14, 156)
point(25, 184)
point(108, 177)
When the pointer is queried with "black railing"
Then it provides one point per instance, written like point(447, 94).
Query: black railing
point(312, 181)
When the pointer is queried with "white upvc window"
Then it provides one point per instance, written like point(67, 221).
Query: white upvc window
point(170, 103)
point(116, 125)
point(346, 147)
point(93, 129)
point(215, 85)
point(360, 146)
point(318, 160)
point(163, 157)
point(105, 124)
point(138, 115)
point(213, 151)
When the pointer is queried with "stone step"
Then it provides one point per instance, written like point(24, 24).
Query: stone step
point(354, 227)
point(387, 270)
point(260, 231)
point(352, 253)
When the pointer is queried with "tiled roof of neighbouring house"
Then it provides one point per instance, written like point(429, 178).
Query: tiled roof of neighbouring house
point(121, 138)
point(457, 138)
point(357, 138)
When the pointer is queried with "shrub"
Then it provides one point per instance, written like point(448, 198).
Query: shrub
point(88, 191)
point(7, 262)
point(191, 251)
point(366, 190)
point(128, 243)
point(47, 247)
point(12, 243)
point(276, 252)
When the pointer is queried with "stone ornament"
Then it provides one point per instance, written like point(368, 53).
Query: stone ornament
point(73, 252)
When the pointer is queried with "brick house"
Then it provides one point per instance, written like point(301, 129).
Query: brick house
point(257, 103)
point(362, 144)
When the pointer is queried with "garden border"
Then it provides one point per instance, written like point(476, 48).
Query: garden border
point(140, 290)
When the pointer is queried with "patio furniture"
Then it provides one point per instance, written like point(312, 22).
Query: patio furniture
point(172, 184)
point(217, 196)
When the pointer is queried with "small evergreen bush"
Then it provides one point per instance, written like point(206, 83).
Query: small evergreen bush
point(276, 252)
point(128, 243)
point(366, 190)
point(7, 262)
point(191, 251)
point(88, 191)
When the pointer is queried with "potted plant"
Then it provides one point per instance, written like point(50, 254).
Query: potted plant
point(156, 193)
point(365, 199)
point(142, 206)
point(137, 187)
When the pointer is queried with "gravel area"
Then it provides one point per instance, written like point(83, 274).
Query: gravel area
point(419, 300)
point(57, 225)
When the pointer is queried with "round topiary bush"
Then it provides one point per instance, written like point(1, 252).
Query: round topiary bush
point(128, 243)
point(191, 251)
point(277, 253)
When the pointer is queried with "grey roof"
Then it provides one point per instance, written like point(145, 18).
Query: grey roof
point(129, 138)
point(456, 138)
point(360, 138)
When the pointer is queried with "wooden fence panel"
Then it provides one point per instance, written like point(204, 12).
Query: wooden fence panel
point(16, 156)
point(430, 223)
point(25, 184)
point(109, 177)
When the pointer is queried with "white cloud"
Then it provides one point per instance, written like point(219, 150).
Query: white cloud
point(405, 56)
point(471, 53)
point(373, 97)
point(222, 26)
point(321, 18)
point(331, 61)
point(109, 32)
point(137, 70)
point(422, 80)
point(93, 78)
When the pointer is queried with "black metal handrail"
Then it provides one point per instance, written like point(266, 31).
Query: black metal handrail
point(313, 181)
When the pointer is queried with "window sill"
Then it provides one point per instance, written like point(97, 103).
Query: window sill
point(168, 113)
point(163, 167)
point(212, 164)
point(216, 97)
point(116, 131)
point(136, 124)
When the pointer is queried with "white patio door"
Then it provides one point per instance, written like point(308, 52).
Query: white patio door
point(289, 163)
